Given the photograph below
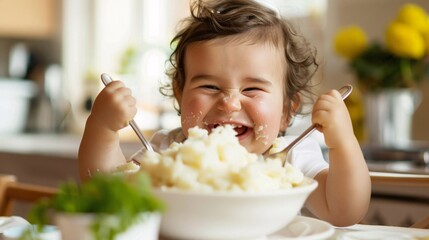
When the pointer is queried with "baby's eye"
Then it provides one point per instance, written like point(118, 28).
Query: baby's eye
point(209, 87)
point(252, 89)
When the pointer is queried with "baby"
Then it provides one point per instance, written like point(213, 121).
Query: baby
point(238, 62)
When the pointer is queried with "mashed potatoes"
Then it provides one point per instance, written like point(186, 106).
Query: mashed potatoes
point(216, 162)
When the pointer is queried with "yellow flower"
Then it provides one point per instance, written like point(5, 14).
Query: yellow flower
point(414, 16)
point(350, 42)
point(404, 41)
point(426, 41)
point(425, 35)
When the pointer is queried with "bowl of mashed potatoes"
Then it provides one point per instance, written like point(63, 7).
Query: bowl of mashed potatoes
point(215, 189)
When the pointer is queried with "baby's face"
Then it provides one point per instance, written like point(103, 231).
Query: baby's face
point(231, 82)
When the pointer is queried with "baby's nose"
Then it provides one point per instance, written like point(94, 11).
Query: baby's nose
point(230, 103)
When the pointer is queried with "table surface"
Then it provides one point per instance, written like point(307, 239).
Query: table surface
point(384, 232)
point(340, 233)
point(419, 234)
point(314, 229)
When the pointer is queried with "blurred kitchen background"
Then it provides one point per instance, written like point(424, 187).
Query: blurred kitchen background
point(52, 53)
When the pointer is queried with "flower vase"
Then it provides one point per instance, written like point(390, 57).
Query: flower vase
point(389, 116)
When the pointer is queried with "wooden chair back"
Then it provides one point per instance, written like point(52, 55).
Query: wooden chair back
point(12, 191)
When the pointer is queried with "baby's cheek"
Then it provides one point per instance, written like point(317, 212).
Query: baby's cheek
point(267, 122)
point(192, 114)
point(261, 133)
point(191, 119)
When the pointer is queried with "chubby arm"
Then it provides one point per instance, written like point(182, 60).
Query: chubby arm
point(100, 147)
point(344, 191)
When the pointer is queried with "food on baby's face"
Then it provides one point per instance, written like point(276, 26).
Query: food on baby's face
point(216, 162)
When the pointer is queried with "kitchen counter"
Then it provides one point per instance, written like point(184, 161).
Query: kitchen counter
point(400, 183)
point(39, 158)
point(400, 179)
point(40, 144)
point(55, 145)
point(398, 199)
point(45, 159)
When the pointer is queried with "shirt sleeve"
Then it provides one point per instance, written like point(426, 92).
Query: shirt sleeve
point(307, 156)
point(160, 141)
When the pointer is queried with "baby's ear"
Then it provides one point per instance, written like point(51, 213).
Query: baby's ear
point(177, 92)
point(283, 123)
point(285, 119)
point(289, 111)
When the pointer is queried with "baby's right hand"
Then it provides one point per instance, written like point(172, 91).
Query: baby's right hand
point(114, 106)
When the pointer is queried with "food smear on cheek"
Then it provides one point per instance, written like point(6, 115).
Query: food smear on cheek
point(260, 133)
point(192, 118)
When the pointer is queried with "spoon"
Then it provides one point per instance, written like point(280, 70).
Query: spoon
point(106, 79)
point(345, 92)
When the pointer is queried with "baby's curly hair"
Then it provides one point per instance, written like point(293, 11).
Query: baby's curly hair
point(254, 23)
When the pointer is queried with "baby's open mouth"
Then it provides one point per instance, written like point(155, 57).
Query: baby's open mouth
point(239, 129)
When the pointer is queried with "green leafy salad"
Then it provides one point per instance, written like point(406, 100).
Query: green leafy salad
point(124, 197)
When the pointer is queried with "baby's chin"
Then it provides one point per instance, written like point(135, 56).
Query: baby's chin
point(256, 147)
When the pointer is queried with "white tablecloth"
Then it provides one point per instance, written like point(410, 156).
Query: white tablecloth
point(380, 232)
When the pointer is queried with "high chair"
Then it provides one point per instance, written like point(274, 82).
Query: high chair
point(12, 191)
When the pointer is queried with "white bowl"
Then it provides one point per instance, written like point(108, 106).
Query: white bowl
point(204, 216)
point(77, 226)
point(49, 232)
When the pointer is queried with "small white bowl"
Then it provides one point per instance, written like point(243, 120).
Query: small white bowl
point(230, 215)
point(49, 232)
point(77, 226)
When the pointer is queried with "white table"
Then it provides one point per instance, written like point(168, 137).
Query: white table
point(388, 232)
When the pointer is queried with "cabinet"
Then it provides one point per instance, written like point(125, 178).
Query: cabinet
point(398, 199)
point(29, 18)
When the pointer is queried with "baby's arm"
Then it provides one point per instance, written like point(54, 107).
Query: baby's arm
point(100, 147)
point(344, 191)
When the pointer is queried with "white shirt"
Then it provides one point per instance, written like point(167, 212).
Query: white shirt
point(307, 156)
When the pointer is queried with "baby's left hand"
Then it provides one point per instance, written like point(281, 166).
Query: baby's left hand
point(332, 118)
